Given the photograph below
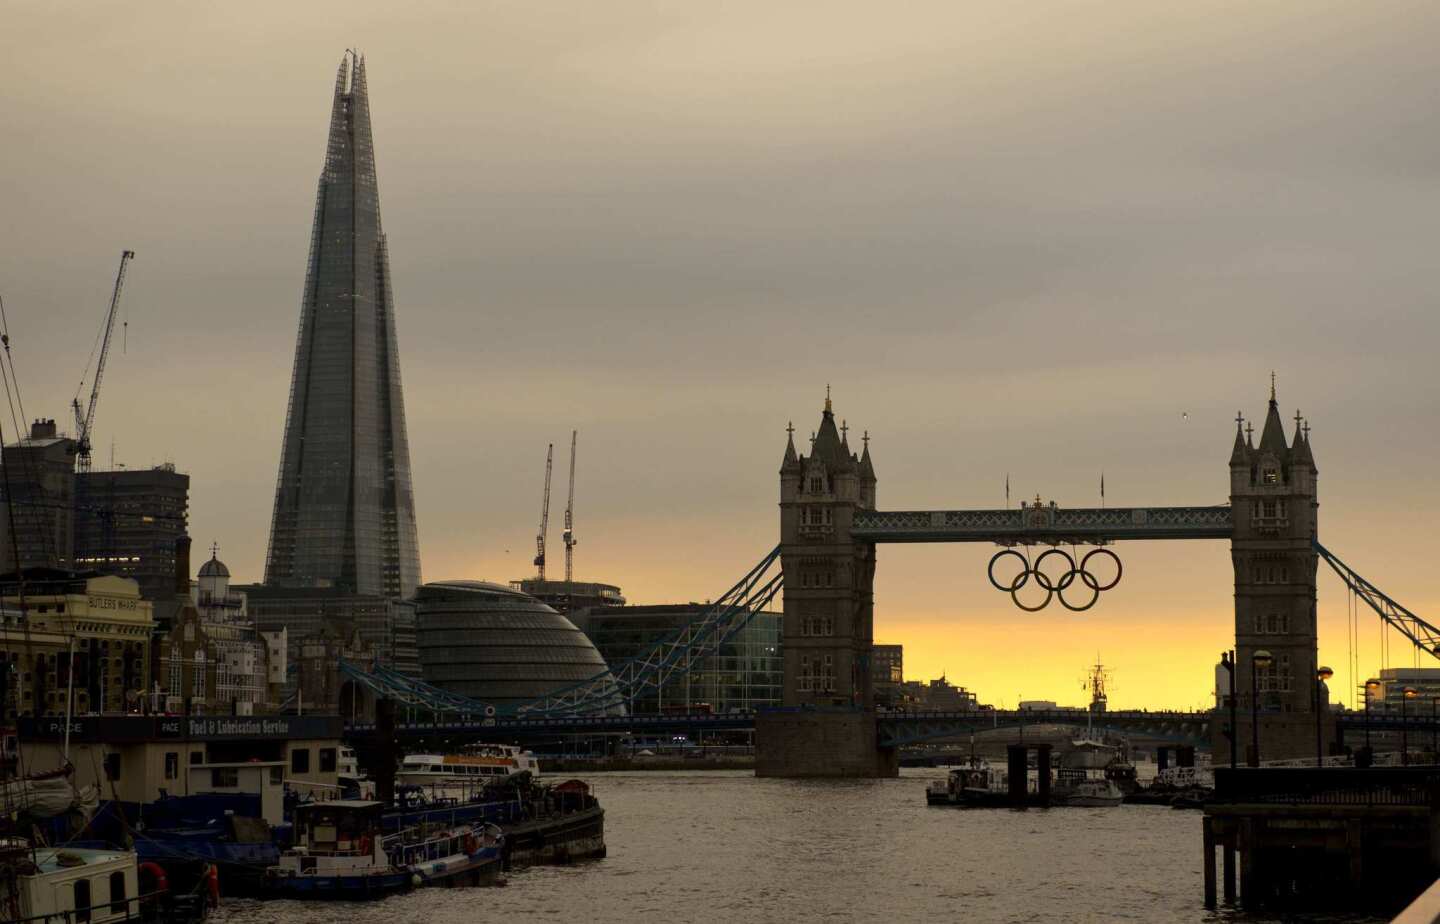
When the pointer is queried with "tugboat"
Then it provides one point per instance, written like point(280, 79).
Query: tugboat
point(341, 853)
point(968, 786)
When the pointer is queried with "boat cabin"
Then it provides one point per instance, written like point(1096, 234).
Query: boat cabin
point(78, 886)
point(340, 827)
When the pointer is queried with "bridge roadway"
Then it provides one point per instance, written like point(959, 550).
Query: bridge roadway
point(897, 729)
point(1049, 525)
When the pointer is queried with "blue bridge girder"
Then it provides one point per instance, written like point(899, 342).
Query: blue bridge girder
point(1044, 525)
point(896, 729)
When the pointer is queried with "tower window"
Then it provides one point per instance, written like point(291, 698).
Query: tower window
point(1271, 476)
point(817, 484)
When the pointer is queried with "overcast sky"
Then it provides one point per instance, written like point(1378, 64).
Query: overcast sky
point(1014, 237)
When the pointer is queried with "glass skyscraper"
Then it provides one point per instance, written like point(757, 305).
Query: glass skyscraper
point(344, 511)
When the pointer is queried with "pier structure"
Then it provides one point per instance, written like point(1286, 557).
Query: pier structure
point(1332, 838)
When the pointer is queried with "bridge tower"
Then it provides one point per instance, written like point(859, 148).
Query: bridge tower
point(828, 725)
point(1274, 502)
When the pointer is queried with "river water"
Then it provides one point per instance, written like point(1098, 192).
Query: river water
point(724, 846)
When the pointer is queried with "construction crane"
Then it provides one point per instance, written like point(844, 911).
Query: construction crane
point(544, 514)
point(570, 518)
point(85, 421)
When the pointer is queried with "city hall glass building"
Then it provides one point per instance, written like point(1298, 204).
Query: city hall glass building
point(344, 512)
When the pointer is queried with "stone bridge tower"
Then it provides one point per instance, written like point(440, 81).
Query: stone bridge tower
point(1275, 508)
point(828, 725)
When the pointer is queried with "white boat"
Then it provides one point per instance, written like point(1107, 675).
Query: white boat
point(483, 763)
point(1094, 793)
point(341, 853)
point(71, 884)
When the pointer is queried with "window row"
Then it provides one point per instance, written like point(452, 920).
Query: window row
point(1270, 573)
point(817, 578)
point(817, 625)
point(1272, 623)
point(817, 674)
point(1276, 677)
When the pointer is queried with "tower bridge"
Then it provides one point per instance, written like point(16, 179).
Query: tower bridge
point(830, 526)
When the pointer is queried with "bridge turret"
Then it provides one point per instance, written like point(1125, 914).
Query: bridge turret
point(828, 627)
point(1274, 509)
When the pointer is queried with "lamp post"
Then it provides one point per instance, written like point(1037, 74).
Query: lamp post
point(1259, 661)
point(1227, 661)
point(1405, 694)
point(1322, 674)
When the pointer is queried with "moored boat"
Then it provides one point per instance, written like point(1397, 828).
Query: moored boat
point(1090, 793)
point(341, 852)
point(480, 764)
point(69, 884)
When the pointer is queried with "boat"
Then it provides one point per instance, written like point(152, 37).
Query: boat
point(75, 884)
point(341, 852)
point(482, 764)
point(968, 786)
point(1086, 792)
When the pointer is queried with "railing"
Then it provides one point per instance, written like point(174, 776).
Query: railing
point(159, 906)
point(1394, 786)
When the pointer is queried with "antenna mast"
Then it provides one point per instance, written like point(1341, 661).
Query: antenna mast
point(570, 517)
point(544, 514)
point(86, 420)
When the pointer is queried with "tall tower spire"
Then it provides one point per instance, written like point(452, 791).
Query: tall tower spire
point(344, 511)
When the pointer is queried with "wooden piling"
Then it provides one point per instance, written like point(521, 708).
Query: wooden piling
point(1228, 852)
point(1209, 838)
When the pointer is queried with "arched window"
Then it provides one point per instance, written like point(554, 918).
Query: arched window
point(117, 893)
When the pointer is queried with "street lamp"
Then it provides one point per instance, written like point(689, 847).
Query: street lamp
point(1259, 661)
point(1372, 686)
point(1227, 661)
point(1406, 694)
point(1322, 674)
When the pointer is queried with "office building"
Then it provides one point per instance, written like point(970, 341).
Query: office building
point(37, 496)
point(344, 516)
point(494, 644)
point(127, 523)
point(887, 673)
point(746, 673)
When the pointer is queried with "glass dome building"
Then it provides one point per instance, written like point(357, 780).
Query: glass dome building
point(498, 645)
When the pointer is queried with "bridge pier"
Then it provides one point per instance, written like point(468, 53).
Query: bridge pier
point(821, 744)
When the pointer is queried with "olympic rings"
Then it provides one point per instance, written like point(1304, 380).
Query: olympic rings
point(1055, 586)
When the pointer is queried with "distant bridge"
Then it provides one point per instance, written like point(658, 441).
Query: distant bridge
point(896, 729)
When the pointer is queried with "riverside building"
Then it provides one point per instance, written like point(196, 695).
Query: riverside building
point(110, 625)
point(492, 643)
point(746, 673)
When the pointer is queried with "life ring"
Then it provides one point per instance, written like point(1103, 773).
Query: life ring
point(157, 872)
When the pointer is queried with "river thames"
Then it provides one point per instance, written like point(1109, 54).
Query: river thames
point(724, 846)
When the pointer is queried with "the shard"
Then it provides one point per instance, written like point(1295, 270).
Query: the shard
point(344, 509)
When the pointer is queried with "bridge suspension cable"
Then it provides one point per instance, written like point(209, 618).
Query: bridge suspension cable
point(673, 656)
point(410, 691)
point(617, 687)
point(1425, 636)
